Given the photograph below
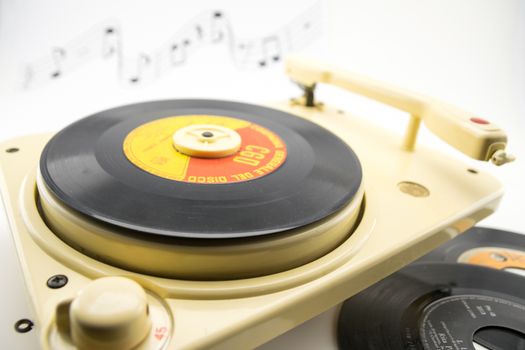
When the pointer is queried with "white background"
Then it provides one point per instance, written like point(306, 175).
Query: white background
point(470, 53)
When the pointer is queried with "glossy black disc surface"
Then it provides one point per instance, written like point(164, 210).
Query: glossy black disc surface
point(85, 167)
point(474, 238)
point(437, 306)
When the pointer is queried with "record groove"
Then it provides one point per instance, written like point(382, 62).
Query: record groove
point(84, 166)
point(480, 239)
point(435, 306)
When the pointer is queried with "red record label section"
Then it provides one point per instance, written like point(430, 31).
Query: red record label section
point(259, 155)
point(150, 147)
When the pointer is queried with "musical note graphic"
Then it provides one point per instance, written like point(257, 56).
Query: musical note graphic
point(271, 50)
point(104, 42)
point(218, 27)
point(198, 29)
point(178, 54)
point(143, 63)
point(57, 55)
point(110, 42)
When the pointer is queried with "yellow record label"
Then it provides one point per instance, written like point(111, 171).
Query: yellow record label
point(150, 147)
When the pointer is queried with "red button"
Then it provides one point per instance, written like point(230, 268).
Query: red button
point(479, 121)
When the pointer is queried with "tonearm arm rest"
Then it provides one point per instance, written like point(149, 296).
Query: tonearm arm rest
point(474, 136)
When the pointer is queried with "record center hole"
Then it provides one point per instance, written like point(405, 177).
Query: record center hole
point(498, 257)
point(12, 150)
point(494, 337)
point(515, 270)
point(207, 134)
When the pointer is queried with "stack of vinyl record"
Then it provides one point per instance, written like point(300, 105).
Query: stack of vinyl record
point(467, 294)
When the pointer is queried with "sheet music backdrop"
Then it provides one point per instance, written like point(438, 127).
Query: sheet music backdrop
point(106, 41)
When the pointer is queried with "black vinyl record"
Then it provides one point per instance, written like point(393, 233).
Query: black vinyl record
point(85, 167)
point(435, 306)
point(474, 238)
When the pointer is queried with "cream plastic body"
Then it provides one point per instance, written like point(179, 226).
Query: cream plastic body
point(395, 229)
point(110, 313)
point(399, 223)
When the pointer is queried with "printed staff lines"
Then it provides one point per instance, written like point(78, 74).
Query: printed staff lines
point(104, 42)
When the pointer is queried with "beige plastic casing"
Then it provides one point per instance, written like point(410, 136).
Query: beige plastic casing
point(395, 229)
point(414, 201)
point(474, 136)
point(110, 313)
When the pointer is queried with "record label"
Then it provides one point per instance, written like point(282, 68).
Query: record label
point(437, 306)
point(150, 148)
point(450, 323)
point(495, 257)
point(497, 249)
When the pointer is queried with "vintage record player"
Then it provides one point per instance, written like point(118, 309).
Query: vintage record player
point(192, 224)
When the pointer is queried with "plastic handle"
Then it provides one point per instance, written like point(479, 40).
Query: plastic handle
point(475, 137)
